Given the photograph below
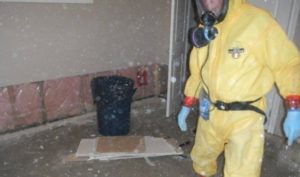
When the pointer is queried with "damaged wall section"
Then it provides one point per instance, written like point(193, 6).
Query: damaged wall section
point(31, 104)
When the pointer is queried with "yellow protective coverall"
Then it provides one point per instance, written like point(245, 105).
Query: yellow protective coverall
point(265, 56)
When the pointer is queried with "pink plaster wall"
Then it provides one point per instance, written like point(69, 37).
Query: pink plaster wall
point(6, 111)
point(62, 97)
point(27, 104)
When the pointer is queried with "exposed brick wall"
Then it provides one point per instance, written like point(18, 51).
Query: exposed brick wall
point(32, 104)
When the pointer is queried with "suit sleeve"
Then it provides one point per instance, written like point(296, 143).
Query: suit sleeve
point(284, 61)
point(194, 82)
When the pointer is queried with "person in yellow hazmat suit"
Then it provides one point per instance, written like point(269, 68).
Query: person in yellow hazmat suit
point(239, 53)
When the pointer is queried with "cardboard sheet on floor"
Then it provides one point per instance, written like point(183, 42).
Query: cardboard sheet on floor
point(121, 144)
point(125, 147)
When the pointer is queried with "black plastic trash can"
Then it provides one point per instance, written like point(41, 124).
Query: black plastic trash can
point(113, 96)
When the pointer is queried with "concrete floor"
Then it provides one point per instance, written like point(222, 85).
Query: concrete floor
point(40, 151)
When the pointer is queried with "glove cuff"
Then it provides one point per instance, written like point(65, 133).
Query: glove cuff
point(292, 102)
point(189, 101)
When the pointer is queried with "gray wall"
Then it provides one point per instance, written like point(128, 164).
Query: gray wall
point(40, 41)
point(297, 33)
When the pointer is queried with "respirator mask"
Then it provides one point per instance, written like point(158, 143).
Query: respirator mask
point(210, 12)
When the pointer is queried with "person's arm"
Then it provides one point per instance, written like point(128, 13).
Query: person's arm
point(284, 60)
point(192, 86)
point(194, 83)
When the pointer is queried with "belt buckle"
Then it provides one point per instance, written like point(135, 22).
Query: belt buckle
point(222, 105)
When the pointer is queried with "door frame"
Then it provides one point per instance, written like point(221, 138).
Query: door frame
point(171, 79)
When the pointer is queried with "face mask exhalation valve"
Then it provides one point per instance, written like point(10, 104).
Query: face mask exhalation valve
point(202, 36)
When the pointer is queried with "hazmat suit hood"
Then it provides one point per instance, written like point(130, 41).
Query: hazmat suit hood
point(211, 13)
point(234, 5)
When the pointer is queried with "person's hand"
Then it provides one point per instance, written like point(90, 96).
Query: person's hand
point(291, 126)
point(182, 116)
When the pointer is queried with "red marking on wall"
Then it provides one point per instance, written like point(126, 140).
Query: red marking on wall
point(142, 77)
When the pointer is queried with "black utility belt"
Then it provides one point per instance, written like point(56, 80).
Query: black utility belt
point(239, 106)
